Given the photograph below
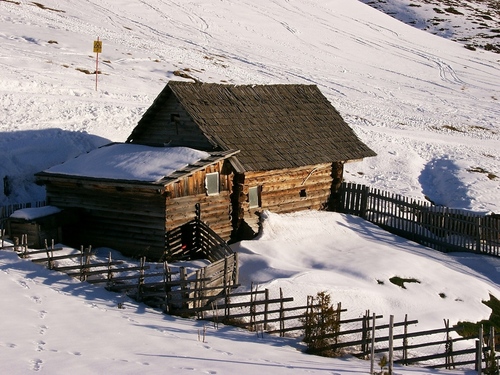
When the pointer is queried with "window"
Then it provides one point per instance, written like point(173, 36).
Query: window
point(254, 197)
point(212, 183)
point(303, 193)
point(175, 119)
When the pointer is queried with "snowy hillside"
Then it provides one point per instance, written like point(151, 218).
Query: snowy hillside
point(428, 106)
point(474, 23)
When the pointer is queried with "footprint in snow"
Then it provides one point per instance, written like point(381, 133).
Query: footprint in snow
point(36, 299)
point(40, 347)
point(23, 284)
point(43, 329)
point(36, 364)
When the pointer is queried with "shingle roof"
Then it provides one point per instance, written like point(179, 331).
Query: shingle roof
point(273, 126)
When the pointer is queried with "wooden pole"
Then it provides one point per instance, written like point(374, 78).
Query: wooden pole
point(405, 341)
point(96, 65)
point(364, 334)
point(183, 278)
point(391, 343)
point(166, 278)
point(282, 315)
point(266, 307)
point(492, 354)
point(372, 354)
point(236, 269)
point(480, 350)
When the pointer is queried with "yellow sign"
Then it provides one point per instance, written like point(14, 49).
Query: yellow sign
point(97, 46)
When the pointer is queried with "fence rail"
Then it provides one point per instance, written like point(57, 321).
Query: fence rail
point(438, 227)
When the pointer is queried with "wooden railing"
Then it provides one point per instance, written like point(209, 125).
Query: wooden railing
point(438, 227)
point(195, 240)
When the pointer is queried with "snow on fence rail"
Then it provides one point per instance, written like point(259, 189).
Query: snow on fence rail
point(438, 227)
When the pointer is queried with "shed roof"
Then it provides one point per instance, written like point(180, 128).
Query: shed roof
point(135, 164)
point(274, 126)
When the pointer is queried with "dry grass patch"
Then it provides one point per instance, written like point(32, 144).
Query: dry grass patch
point(491, 176)
point(41, 6)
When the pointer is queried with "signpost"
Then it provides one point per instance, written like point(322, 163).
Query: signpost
point(97, 51)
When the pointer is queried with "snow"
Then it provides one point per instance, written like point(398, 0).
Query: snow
point(34, 213)
point(130, 162)
point(53, 323)
point(426, 105)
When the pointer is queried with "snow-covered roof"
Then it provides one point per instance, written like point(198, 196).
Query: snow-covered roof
point(133, 162)
point(34, 212)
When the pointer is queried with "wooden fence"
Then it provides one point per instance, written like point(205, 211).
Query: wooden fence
point(173, 290)
point(195, 240)
point(437, 348)
point(207, 294)
point(438, 227)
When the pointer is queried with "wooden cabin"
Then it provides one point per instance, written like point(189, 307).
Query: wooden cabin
point(130, 196)
point(293, 143)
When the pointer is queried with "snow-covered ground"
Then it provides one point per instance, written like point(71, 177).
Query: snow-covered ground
point(52, 323)
point(474, 23)
point(428, 106)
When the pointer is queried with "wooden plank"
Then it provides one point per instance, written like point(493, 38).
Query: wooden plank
point(91, 265)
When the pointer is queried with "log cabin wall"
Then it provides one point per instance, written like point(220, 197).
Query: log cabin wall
point(125, 217)
point(182, 197)
point(283, 191)
point(172, 126)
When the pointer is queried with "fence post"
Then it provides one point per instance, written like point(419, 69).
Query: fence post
point(491, 363)
point(478, 365)
point(140, 281)
point(405, 341)
point(364, 334)
point(236, 271)
point(448, 346)
point(282, 315)
point(372, 353)
point(167, 277)
point(197, 292)
point(364, 202)
point(479, 353)
point(225, 278)
point(477, 234)
point(266, 307)
point(25, 246)
point(391, 343)
point(183, 279)
point(252, 307)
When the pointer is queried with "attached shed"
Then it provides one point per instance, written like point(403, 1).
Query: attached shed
point(293, 143)
point(40, 224)
point(130, 197)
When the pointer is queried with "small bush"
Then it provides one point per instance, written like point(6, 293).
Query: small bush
point(320, 320)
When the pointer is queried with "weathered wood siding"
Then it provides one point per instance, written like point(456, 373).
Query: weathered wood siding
point(38, 231)
point(287, 190)
point(126, 218)
point(171, 125)
point(134, 218)
point(215, 210)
